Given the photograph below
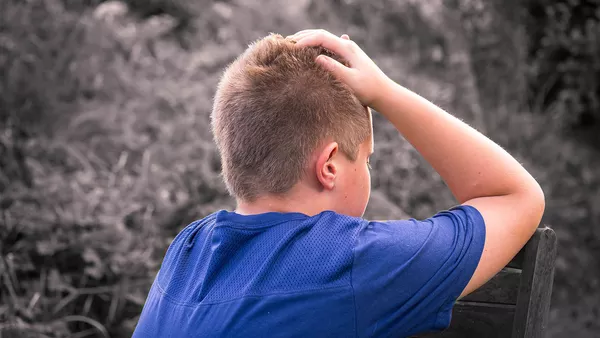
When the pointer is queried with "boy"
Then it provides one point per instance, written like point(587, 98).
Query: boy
point(295, 259)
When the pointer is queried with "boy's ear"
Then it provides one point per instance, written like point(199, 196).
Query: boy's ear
point(325, 167)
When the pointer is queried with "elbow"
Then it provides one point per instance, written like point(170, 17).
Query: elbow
point(540, 199)
point(538, 204)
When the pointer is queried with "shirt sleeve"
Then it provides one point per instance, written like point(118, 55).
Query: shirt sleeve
point(407, 274)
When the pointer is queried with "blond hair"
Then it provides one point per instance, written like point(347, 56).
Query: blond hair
point(273, 107)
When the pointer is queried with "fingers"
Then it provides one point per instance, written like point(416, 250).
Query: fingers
point(339, 45)
point(319, 37)
point(302, 33)
point(339, 70)
point(325, 39)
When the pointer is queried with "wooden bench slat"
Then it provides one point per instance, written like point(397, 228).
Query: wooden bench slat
point(502, 288)
point(476, 320)
point(517, 261)
point(493, 310)
point(533, 303)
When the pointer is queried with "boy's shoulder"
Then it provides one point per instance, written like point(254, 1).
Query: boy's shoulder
point(226, 256)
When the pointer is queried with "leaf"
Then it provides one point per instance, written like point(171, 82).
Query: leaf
point(96, 269)
point(49, 247)
point(56, 282)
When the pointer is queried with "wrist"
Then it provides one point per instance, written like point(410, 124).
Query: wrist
point(385, 90)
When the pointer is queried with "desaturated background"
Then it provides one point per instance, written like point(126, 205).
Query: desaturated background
point(106, 151)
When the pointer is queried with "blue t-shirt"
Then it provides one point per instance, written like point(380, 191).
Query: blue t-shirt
point(329, 275)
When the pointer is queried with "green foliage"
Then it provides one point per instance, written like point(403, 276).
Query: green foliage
point(565, 58)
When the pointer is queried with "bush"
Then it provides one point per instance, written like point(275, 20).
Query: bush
point(181, 10)
point(41, 79)
point(49, 68)
point(191, 17)
point(498, 50)
point(565, 59)
point(65, 266)
point(33, 57)
point(82, 238)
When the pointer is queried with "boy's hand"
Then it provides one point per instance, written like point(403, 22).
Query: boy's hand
point(363, 77)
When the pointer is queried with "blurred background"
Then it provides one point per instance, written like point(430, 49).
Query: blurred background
point(106, 151)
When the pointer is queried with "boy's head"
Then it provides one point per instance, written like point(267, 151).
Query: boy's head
point(281, 121)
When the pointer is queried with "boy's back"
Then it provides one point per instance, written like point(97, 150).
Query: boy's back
point(288, 274)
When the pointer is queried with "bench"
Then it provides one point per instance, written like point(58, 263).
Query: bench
point(515, 302)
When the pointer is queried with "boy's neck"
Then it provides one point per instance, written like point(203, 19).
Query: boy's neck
point(299, 200)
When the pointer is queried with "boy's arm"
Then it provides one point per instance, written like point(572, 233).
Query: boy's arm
point(477, 171)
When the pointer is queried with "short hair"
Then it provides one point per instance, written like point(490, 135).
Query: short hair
point(273, 107)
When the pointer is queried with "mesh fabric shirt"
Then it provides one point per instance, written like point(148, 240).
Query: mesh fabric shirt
point(328, 275)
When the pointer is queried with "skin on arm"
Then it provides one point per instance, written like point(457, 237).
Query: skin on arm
point(478, 171)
